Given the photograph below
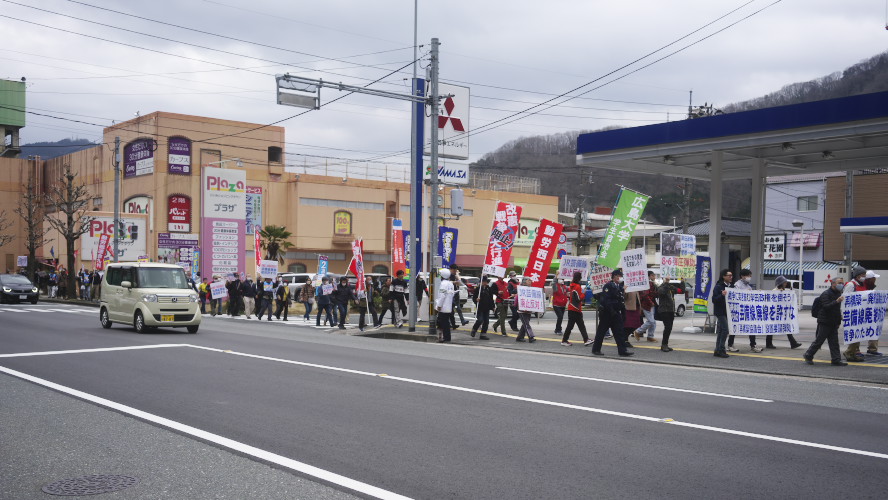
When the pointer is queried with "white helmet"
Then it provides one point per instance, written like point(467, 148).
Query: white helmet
point(445, 274)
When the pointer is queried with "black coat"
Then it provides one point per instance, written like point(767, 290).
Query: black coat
point(613, 300)
point(830, 309)
point(719, 306)
point(485, 297)
point(341, 295)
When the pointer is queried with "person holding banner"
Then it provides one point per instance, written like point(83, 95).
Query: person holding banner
point(857, 283)
point(502, 306)
point(444, 306)
point(560, 293)
point(870, 284)
point(265, 296)
point(828, 320)
point(575, 310)
point(485, 299)
point(648, 301)
point(340, 298)
point(666, 311)
point(743, 284)
point(216, 303)
point(781, 283)
point(720, 308)
point(365, 303)
point(613, 307)
point(324, 304)
point(524, 316)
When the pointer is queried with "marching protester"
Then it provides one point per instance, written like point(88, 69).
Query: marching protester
point(648, 301)
point(632, 320)
point(513, 305)
point(828, 320)
point(524, 317)
point(397, 293)
point(341, 297)
point(248, 291)
point(325, 306)
point(265, 296)
point(744, 284)
point(484, 298)
point(720, 308)
point(781, 283)
point(613, 312)
point(307, 297)
point(444, 306)
point(559, 301)
point(870, 283)
point(388, 302)
point(53, 284)
point(855, 284)
point(216, 304)
point(457, 302)
point(282, 298)
point(202, 290)
point(365, 303)
point(575, 311)
point(502, 305)
point(234, 296)
point(666, 311)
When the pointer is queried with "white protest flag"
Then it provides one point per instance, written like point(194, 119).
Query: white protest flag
point(634, 270)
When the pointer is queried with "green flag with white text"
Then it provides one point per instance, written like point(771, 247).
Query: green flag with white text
point(629, 208)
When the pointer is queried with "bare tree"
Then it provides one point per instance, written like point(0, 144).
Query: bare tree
point(30, 210)
point(4, 225)
point(68, 202)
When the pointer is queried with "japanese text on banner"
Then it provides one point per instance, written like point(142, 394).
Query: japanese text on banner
point(635, 277)
point(542, 251)
point(531, 299)
point(863, 315)
point(630, 207)
point(571, 264)
point(502, 238)
point(762, 312)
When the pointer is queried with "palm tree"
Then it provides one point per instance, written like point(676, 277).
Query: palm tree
point(274, 239)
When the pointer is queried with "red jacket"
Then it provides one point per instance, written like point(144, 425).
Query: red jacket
point(576, 288)
point(502, 291)
point(648, 296)
point(559, 295)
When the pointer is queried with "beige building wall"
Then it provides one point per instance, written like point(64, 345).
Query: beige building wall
point(14, 175)
point(868, 201)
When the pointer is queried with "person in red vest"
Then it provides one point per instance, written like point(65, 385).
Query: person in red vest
point(502, 305)
point(559, 301)
point(576, 296)
point(870, 284)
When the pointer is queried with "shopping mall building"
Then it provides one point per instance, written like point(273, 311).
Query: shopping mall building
point(192, 189)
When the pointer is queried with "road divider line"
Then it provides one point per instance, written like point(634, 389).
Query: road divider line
point(99, 349)
point(295, 465)
point(288, 361)
point(635, 384)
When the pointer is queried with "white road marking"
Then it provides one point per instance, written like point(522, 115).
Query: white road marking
point(246, 449)
point(99, 349)
point(6, 309)
point(300, 363)
point(635, 384)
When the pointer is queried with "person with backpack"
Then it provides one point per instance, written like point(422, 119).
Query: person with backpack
point(575, 311)
point(828, 310)
point(781, 283)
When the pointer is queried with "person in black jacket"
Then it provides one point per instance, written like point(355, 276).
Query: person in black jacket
point(265, 296)
point(484, 297)
point(613, 311)
point(249, 292)
point(720, 308)
point(340, 297)
point(828, 321)
point(234, 296)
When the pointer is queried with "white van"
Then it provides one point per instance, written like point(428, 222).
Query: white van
point(148, 295)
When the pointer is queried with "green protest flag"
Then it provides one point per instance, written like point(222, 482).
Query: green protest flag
point(629, 208)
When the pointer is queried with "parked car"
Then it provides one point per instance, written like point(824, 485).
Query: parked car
point(17, 288)
point(295, 281)
point(148, 295)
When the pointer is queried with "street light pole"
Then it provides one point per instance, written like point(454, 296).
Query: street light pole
point(800, 226)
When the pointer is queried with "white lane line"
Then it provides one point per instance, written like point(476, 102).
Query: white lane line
point(6, 309)
point(246, 449)
point(634, 384)
point(300, 363)
point(100, 349)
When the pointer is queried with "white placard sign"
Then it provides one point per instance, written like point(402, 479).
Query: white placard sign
point(598, 277)
point(863, 315)
point(218, 290)
point(21, 260)
point(762, 312)
point(531, 299)
point(634, 270)
point(268, 268)
point(571, 264)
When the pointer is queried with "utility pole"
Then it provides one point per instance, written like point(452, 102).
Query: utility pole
point(433, 183)
point(116, 196)
point(415, 187)
point(849, 212)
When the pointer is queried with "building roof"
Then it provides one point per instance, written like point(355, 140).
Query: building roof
point(730, 227)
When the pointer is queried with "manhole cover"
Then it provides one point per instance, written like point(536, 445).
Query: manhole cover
point(89, 485)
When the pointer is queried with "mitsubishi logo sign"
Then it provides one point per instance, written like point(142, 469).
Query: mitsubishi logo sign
point(453, 123)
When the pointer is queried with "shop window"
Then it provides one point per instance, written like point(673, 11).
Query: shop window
point(297, 268)
point(274, 154)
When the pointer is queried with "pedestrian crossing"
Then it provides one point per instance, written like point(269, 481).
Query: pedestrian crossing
point(41, 309)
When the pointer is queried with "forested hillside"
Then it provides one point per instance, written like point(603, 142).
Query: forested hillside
point(552, 158)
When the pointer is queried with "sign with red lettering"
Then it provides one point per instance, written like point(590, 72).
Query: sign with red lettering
point(541, 253)
point(179, 213)
point(502, 238)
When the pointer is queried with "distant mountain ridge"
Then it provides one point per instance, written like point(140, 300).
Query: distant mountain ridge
point(552, 158)
point(47, 150)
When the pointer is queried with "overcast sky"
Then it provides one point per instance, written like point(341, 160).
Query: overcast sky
point(513, 54)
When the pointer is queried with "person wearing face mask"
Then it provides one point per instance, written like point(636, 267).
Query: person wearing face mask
point(870, 284)
point(613, 305)
point(855, 284)
point(828, 321)
point(720, 308)
point(744, 284)
point(559, 302)
point(782, 284)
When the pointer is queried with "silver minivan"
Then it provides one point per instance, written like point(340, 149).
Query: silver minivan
point(148, 295)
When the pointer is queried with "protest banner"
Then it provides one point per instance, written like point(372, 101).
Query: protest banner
point(356, 266)
point(627, 212)
point(635, 277)
point(447, 238)
point(257, 244)
point(863, 315)
point(399, 256)
point(762, 312)
point(21, 260)
point(599, 276)
point(532, 299)
point(541, 253)
point(571, 264)
point(268, 268)
point(678, 255)
point(323, 264)
point(218, 290)
point(702, 285)
point(327, 289)
point(502, 238)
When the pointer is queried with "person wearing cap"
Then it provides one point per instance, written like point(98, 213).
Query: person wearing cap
point(513, 291)
point(613, 309)
point(444, 306)
point(870, 283)
point(720, 308)
point(855, 284)
point(828, 321)
point(782, 284)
